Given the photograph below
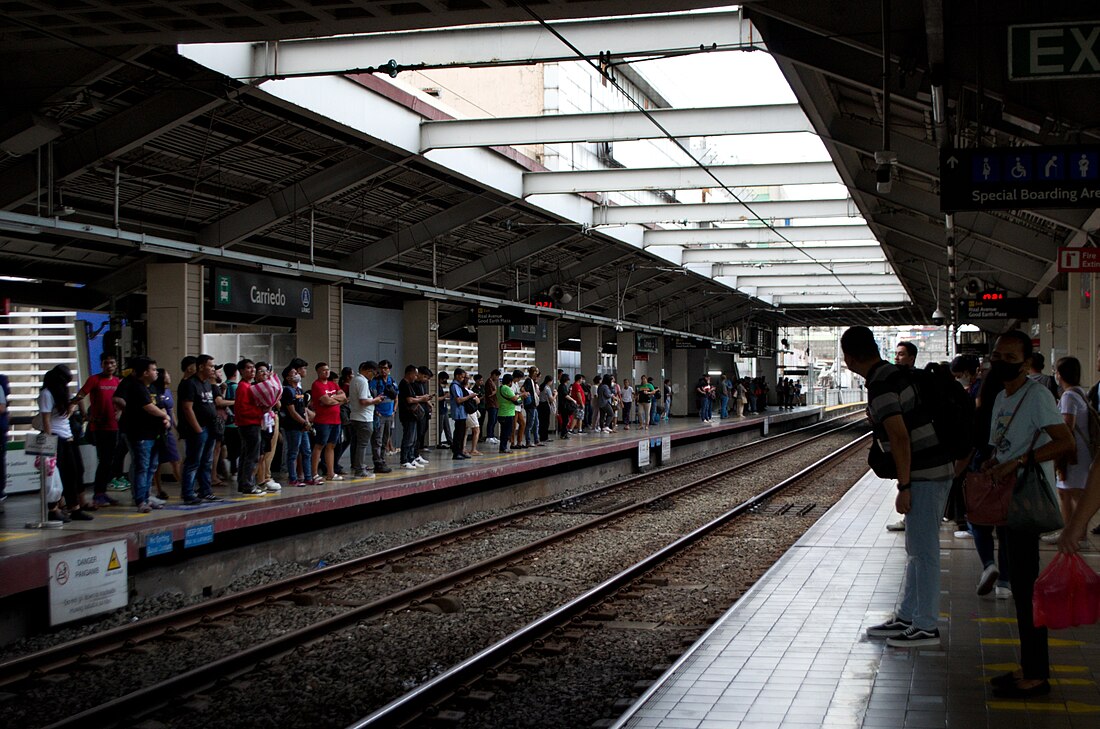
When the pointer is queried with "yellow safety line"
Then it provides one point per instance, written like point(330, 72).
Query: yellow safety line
point(9, 536)
point(1052, 642)
point(1058, 668)
point(1069, 707)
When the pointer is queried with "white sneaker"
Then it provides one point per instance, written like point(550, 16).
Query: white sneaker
point(418, 464)
point(273, 486)
point(898, 526)
point(368, 474)
point(1002, 593)
point(156, 503)
point(988, 579)
point(492, 440)
point(421, 459)
point(963, 534)
point(409, 466)
point(1051, 538)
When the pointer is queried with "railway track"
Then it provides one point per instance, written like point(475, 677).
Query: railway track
point(338, 586)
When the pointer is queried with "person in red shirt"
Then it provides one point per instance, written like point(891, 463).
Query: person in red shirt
point(103, 426)
point(576, 421)
point(326, 397)
point(248, 417)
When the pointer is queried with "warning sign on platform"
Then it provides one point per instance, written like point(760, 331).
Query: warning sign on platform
point(87, 581)
point(643, 453)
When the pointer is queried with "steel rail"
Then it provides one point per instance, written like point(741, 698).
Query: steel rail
point(125, 709)
point(446, 684)
point(132, 634)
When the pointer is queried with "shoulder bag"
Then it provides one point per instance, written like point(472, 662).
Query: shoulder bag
point(1034, 507)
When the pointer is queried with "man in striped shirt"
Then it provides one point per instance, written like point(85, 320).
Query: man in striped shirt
point(904, 431)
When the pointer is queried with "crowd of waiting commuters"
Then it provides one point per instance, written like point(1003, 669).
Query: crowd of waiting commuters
point(1020, 413)
point(244, 422)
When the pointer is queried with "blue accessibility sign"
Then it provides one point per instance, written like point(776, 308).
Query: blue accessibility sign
point(1011, 178)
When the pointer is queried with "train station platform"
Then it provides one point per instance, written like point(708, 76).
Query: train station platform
point(177, 530)
point(792, 651)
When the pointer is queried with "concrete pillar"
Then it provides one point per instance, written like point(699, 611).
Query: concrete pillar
point(655, 367)
point(421, 339)
point(175, 312)
point(1046, 328)
point(683, 383)
point(321, 339)
point(489, 356)
point(626, 365)
point(546, 353)
point(591, 348)
point(1059, 347)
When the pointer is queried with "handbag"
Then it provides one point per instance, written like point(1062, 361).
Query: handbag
point(987, 500)
point(1034, 507)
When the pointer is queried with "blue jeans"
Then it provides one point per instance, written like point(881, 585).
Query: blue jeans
point(983, 542)
point(531, 431)
point(725, 406)
point(143, 464)
point(200, 456)
point(408, 441)
point(297, 442)
point(920, 592)
point(491, 425)
point(705, 408)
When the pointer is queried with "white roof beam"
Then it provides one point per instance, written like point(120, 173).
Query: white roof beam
point(783, 255)
point(839, 297)
point(734, 236)
point(799, 270)
point(864, 293)
point(680, 178)
point(495, 45)
point(615, 126)
point(822, 278)
point(718, 212)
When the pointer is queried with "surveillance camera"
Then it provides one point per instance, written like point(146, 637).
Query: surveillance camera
point(618, 327)
point(938, 317)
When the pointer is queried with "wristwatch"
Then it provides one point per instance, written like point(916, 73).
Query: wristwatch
point(904, 486)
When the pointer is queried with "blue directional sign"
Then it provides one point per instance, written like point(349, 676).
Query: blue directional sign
point(1010, 178)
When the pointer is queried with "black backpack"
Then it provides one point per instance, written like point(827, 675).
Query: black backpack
point(952, 407)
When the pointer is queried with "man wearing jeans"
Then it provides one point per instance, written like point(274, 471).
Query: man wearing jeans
point(385, 389)
point(903, 429)
point(197, 413)
point(142, 424)
point(362, 404)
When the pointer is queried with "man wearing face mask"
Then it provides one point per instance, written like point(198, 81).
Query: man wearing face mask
point(904, 431)
point(1021, 411)
point(964, 369)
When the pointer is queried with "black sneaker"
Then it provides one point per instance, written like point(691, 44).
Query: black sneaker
point(193, 501)
point(915, 637)
point(891, 628)
point(80, 515)
point(383, 468)
point(211, 498)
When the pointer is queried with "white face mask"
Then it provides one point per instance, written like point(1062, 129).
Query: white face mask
point(965, 381)
point(296, 379)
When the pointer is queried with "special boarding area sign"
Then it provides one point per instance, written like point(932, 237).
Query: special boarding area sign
point(87, 581)
point(1009, 178)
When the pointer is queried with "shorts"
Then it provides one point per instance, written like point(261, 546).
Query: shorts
point(266, 437)
point(327, 434)
point(472, 421)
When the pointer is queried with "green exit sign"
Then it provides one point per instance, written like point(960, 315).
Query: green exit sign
point(1054, 50)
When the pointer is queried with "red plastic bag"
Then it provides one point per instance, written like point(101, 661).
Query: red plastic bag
point(1067, 593)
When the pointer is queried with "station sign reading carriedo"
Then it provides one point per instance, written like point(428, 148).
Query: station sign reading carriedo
point(245, 292)
point(1010, 178)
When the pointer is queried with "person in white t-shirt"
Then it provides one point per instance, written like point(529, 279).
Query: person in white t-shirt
point(1072, 472)
point(1025, 421)
point(361, 404)
point(55, 405)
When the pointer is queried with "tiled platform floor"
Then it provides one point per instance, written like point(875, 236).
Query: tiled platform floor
point(792, 652)
point(24, 552)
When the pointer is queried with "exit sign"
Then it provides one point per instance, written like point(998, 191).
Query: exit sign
point(1054, 51)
